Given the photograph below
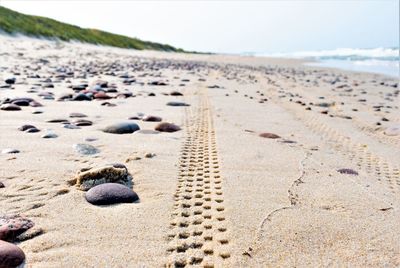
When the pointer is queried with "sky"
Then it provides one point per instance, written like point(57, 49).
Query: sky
point(234, 26)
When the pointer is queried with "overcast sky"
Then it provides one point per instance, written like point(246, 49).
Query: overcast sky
point(234, 26)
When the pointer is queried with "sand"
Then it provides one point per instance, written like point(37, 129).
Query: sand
point(214, 193)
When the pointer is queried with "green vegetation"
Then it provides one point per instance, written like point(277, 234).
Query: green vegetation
point(13, 22)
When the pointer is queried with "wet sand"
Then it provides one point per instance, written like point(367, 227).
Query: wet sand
point(319, 187)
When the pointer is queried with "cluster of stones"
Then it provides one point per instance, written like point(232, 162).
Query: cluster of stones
point(110, 184)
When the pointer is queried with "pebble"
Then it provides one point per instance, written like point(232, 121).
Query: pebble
point(10, 107)
point(81, 97)
point(348, 171)
point(83, 122)
point(85, 149)
point(11, 256)
point(13, 226)
point(10, 151)
point(176, 93)
point(167, 127)
point(122, 128)
point(1, 185)
point(77, 115)
point(49, 135)
point(110, 193)
point(71, 126)
point(269, 135)
point(152, 118)
point(11, 80)
point(25, 127)
point(177, 103)
point(58, 120)
point(393, 130)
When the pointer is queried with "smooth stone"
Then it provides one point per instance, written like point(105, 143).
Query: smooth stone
point(110, 193)
point(11, 256)
point(152, 118)
point(10, 151)
point(176, 93)
point(121, 128)
point(37, 112)
point(21, 102)
point(10, 81)
point(35, 104)
point(348, 171)
point(81, 97)
point(85, 149)
point(71, 126)
point(269, 135)
point(392, 131)
point(102, 96)
point(49, 136)
point(10, 107)
point(63, 121)
point(13, 226)
point(77, 115)
point(25, 127)
point(167, 127)
point(115, 173)
point(32, 130)
point(1, 185)
point(83, 122)
point(177, 103)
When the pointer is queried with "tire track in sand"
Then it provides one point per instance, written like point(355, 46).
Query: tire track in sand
point(199, 234)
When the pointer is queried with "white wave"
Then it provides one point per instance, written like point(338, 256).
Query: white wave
point(377, 53)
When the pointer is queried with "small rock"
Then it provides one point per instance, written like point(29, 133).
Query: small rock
point(85, 149)
point(167, 127)
point(1, 185)
point(49, 135)
point(11, 256)
point(177, 103)
point(25, 127)
point(121, 128)
point(58, 120)
point(81, 97)
point(10, 151)
point(150, 155)
point(71, 126)
point(269, 135)
point(176, 93)
point(152, 118)
point(110, 193)
point(393, 130)
point(13, 226)
point(77, 115)
point(10, 81)
point(10, 107)
point(347, 171)
point(83, 122)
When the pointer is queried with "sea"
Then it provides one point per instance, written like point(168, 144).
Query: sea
point(373, 60)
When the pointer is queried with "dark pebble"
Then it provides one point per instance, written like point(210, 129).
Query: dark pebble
point(83, 122)
point(269, 135)
point(347, 171)
point(11, 256)
point(13, 226)
point(121, 128)
point(110, 193)
point(177, 103)
point(78, 115)
point(152, 118)
point(10, 107)
point(167, 127)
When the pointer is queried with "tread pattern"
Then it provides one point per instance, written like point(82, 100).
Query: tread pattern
point(199, 235)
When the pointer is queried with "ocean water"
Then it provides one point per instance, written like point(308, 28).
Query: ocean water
point(375, 60)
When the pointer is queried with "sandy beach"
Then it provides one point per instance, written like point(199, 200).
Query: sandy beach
point(265, 163)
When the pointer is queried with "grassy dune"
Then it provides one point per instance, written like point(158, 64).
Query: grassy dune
point(14, 22)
